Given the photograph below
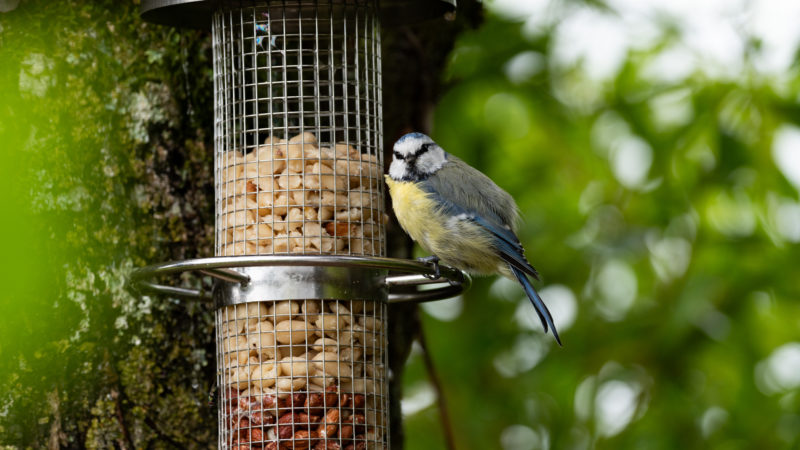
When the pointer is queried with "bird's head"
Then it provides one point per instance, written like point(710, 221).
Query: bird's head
point(416, 157)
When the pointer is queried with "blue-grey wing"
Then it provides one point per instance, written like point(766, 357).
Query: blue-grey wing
point(462, 190)
point(470, 189)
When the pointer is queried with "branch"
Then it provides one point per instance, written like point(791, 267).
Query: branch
point(126, 442)
point(153, 426)
point(437, 386)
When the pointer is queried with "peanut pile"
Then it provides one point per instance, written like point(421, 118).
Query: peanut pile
point(303, 374)
point(316, 420)
point(297, 197)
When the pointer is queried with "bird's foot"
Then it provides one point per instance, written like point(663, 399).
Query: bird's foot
point(434, 260)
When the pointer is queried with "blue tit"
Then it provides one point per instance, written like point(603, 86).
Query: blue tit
point(459, 215)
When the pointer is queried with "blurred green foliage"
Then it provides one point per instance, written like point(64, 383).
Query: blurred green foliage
point(667, 239)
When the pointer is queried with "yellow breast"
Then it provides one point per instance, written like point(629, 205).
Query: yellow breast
point(414, 209)
point(460, 243)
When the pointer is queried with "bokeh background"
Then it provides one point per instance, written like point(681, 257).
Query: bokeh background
point(653, 149)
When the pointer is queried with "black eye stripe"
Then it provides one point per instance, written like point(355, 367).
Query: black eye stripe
point(422, 150)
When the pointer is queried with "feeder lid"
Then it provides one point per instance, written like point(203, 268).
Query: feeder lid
point(197, 13)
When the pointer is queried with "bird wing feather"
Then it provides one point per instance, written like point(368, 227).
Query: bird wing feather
point(482, 202)
point(479, 194)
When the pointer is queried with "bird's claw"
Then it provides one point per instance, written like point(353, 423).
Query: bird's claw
point(434, 260)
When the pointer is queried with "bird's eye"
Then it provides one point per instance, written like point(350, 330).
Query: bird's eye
point(397, 155)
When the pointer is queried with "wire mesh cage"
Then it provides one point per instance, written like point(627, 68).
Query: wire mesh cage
point(302, 374)
point(298, 129)
point(298, 170)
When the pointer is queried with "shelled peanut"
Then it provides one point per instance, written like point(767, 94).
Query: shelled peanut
point(303, 374)
point(297, 197)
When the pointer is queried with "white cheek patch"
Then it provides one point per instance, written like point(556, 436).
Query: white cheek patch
point(397, 170)
point(431, 161)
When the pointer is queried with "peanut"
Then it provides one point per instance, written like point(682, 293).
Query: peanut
point(290, 384)
point(282, 310)
point(307, 139)
point(329, 363)
point(350, 354)
point(328, 445)
point(262, 326)
point(237, 350)
point(325, 344)
point(313, 387)
point(233, 327)
point(264, 375)
point(310, 307)
point(331, 396)
point(263, 343)
point(291, 332)
point(346, 432)
point(330, 424)
point(295, 366)
point(259, 418)
point(239, 377)
point(339, 229)
point(330, 324)
point(370, 323)
point(246, 311)
point(256, 435)
point(305, 420)
point(285, 425)
point(302, 439)
point(313, 400)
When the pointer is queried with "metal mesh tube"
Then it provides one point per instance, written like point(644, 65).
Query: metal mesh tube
point(303, 374)
point(298, 170)
point(298, 130)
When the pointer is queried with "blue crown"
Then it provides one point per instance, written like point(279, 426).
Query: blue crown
point(414, 135)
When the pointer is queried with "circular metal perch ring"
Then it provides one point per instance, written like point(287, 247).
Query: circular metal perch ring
point(242, 271)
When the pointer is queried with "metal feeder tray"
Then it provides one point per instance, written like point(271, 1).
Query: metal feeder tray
point(243, 279)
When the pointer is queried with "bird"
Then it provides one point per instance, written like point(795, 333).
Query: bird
point(459, 215)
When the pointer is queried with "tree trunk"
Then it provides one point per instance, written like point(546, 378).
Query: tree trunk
point(108, 124)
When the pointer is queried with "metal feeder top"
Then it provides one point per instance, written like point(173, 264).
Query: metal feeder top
point(197, 13)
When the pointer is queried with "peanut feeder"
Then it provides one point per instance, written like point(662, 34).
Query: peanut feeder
point(302, 281)
point(298, 170)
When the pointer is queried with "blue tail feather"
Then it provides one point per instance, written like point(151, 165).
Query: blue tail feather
point(538, 304)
